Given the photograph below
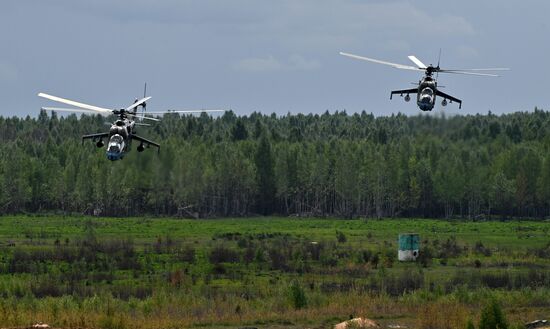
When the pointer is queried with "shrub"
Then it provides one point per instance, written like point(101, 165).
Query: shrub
point(426, 256)
point(186, 254)
point(277, 259)
point(479, 248)
point(341, 237)
point(298, 296)
point(492, 317)
point(221, 254)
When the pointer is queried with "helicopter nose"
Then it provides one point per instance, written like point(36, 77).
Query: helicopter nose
point(113, 156)
point(425, 106)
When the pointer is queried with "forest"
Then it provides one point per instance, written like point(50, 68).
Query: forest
point(328, 165)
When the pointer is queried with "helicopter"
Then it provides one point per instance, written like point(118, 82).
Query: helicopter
point(427, 89)
point(123, 130)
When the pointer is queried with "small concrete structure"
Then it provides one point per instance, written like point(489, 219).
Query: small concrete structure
point(409, 247)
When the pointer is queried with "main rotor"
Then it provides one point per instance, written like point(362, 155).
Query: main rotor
point(130, 112)
point(429, 70)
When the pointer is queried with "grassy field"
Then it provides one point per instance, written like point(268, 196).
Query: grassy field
point(266, 272)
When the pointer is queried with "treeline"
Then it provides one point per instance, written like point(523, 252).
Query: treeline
point(308, 165)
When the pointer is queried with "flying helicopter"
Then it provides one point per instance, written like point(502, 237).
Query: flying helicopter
point(427, 89)
point(123, 129)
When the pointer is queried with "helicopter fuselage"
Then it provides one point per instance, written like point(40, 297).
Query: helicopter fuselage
point(119, 139)
point(122, 131)
point(427, 91)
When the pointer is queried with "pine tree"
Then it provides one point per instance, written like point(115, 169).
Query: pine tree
point(239, 131)
point(265, 177)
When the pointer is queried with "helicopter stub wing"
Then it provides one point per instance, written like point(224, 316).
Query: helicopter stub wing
point(95, 137)
point(100, 135)
point(145, 141)
point(403, 91)
point(449, 97)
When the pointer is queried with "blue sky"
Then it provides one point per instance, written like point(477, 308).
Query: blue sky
point(270, 56)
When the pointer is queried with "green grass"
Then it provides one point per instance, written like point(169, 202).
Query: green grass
point(154, 283)
point(511, 234)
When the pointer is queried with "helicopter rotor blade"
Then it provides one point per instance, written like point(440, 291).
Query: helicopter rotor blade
point(484, 69)
point(61, 109)
point(469, 73)
point(185, 111)
point(138, 103)
point(143, 117)
point(92, 108)
point(397, 66)
point(417, 62)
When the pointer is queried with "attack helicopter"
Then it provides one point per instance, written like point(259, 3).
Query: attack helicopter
point(123, 130)
point(427, 89)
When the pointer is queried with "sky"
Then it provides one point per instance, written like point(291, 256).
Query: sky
point(270, 56)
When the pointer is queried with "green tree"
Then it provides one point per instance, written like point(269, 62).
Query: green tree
point(265, 177)
point(239, 132)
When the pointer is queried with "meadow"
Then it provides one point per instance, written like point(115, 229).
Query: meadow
point(267, 272)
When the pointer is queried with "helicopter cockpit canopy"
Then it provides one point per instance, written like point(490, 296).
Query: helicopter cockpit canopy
point(426, 95)
point(116, 144)
point(427, 91)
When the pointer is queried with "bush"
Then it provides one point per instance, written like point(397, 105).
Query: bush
point(341, 237)
point(221, 254)
point(425, 257)
point(298, 296)
point(492, 317)
point(479, 248)
point(186, 254)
